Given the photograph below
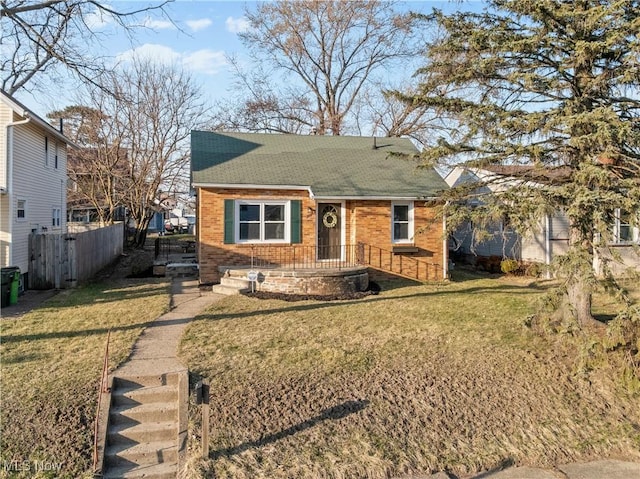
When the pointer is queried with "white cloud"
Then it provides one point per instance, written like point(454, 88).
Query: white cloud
point(155, 24)
point(153, 52)
point(98, 19)
point(237, 25)
point(205, 61)
point(197, 25)
point(209, 62)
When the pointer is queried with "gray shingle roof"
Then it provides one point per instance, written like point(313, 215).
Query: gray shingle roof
point(331, 166)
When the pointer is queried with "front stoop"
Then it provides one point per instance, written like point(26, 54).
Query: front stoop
point(232, 285)
point(144, 434)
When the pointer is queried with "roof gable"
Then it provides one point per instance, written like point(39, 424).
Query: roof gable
point(24, 112)
point(330, 166)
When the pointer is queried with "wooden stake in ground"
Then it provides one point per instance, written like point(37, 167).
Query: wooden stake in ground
point(202, 389)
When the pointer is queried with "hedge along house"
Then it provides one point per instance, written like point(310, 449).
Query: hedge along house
point(311, 203)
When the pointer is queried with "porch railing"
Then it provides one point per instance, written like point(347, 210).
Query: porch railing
point(304, 257)
point(398, 264)
point(344, 256)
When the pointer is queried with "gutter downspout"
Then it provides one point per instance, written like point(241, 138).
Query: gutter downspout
point(10, 178)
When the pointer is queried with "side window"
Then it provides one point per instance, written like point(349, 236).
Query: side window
point(46, 151)
point(623, 227)
point(402, 222)
point(55, 217)
point(21, 209)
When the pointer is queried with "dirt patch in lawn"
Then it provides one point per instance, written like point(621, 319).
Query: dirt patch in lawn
point(416, 380)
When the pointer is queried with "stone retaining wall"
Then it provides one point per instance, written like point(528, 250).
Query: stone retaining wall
point(310, 282)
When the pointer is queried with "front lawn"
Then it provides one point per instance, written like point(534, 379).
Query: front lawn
point(420, 378)
point(51, 360)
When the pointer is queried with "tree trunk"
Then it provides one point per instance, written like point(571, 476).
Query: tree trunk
point(578, 301)
point(142, 227)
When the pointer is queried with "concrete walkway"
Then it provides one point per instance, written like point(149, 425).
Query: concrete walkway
point(155, 351)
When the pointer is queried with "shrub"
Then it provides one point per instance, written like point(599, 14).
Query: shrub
point(509, 266)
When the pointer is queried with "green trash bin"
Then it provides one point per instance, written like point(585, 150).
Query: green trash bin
point(10, 285)
point(15, 287)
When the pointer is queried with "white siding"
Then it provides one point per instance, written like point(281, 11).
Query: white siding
point(5, 118)
point(43, 188)
point(534, 246)
point(5, 239)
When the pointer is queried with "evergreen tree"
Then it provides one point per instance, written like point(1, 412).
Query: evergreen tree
point(551, 86)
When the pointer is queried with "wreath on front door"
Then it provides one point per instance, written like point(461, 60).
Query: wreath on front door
point(330, 218)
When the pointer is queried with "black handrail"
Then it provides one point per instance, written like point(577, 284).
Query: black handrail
point(104, 388)
point(297, 257)
point(304, 257)
point(398, 264)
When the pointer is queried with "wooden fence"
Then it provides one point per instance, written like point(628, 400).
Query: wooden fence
point(65, 260)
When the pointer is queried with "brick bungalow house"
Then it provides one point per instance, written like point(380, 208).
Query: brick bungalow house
point(323, 197)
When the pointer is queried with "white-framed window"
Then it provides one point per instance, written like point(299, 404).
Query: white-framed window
point(624, 230)
point(55, 161)
point(402, 222)
point(55, 217)
point(46, 151)
point(262, 221)
point(21, 209)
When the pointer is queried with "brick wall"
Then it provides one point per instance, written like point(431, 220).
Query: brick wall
point(371, 222)
point(365, 221)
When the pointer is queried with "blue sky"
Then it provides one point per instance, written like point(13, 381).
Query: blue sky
point(198, 35)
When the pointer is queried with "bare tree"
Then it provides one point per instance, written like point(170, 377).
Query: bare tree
point(261, 109)
point(331, 48)
point(141, 149)
point(39, 37)
point(97, 169)
point(382, 111)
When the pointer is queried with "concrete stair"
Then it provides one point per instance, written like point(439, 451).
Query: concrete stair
point(142, 435)
point(232, 285)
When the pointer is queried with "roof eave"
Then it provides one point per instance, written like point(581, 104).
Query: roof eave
point(324, 197)
point(375, 197)
point(240, 186)
point(24, 112)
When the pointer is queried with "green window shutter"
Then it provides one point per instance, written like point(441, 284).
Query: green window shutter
point(229, 215)
point(296, 221)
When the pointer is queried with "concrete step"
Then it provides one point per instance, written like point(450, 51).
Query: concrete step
point(132, 396)
point(143, 413)
point(228, 290)
point(126, 434)
point(156, 471)
point(130, 382)
point(157, 452)
point(182, 270)
point(234, 282)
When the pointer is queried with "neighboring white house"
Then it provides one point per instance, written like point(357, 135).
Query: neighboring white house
point(549, 240)
point(33, 180)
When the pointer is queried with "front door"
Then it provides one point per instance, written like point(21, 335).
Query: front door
point(329, 230)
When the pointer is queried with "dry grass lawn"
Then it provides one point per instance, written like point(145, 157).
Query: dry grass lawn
point(421, 378)
point(51, 361)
